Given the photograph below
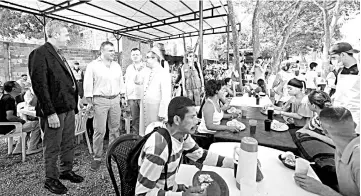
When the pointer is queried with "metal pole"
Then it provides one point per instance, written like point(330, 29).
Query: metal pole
point(201, 34)
point(44, 24)
point(227, 41)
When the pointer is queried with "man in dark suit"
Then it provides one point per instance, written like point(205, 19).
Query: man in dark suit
point(57, 93)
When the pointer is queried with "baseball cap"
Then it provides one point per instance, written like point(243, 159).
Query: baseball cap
point(342, 47)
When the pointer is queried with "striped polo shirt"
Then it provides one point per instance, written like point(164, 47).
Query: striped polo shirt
point(154, 155)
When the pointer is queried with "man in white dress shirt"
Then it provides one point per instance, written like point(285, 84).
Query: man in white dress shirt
point(134, 90)
point(103, 84)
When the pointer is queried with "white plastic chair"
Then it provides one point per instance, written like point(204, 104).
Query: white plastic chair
point(80, 127)
point(17, 133)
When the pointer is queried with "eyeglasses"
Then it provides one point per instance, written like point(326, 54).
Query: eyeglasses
point(150, 57)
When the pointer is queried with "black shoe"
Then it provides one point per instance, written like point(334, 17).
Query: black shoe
point(55, 186)
point(71, 176)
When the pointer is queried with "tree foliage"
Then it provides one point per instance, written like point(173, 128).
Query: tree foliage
point(15, 23)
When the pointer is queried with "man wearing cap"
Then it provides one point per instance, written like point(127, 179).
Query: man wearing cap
point(103, 84)
point(348, 80)
point(79, 76)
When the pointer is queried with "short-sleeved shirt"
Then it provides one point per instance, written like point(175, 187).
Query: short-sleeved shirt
point(7, 103)
point(311, 76)
point(348, 168)
point(300, 107)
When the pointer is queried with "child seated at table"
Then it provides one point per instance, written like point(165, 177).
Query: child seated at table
point(212, 114)
point(296, 111)
point(261, 87)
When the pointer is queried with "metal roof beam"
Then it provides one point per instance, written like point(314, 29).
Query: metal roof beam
point(69, 20)
point(171, 13)
point(61, 6)
point(103, 19)
point(145, 14)
point(193, 11)
point(217, 10)
point(125, 17)
point(164, 22)
point(195, 33)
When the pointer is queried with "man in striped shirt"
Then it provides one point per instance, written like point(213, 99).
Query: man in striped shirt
point(182, 118)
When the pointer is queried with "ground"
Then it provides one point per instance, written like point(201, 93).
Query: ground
point(17, 178)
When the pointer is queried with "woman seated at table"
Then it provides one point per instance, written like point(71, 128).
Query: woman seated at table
point(296, 110)
point(318, 100)
point(212, 114)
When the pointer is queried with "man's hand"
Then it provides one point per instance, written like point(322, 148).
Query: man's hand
point(309, 184)
point(89, 106)
point(193, 191)
point(53, 121)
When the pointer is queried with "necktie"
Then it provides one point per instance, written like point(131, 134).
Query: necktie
point(60, 52)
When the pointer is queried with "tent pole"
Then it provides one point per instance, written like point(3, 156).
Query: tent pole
point(227, 41)
point(201, 34)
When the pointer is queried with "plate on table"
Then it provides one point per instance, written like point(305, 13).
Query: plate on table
point(216, 186)
point(278, 126)
point(234, 110)
point(288, 159)
point(236, 123)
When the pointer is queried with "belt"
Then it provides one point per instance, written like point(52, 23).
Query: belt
point(79, 80)
point(107, 97)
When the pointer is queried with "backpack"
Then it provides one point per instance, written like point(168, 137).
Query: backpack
point(132, 171)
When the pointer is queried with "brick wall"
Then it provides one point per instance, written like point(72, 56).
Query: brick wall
point(14, 58)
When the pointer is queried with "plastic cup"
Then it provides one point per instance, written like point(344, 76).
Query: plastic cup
point(244, 114)
point(302, 166)
point(270, 112)
point(267, 124)
point(253, 125)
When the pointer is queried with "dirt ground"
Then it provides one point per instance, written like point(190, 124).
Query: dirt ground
point(27, 179)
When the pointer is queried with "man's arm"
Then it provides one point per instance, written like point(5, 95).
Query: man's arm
point(88, 83)
point(166, 90)
point(200, 155)
point(13, 118)
point(38, 71)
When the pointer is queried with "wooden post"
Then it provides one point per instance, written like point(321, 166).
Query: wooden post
point(235, 40)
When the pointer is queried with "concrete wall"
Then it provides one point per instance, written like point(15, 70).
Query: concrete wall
point(14, 58)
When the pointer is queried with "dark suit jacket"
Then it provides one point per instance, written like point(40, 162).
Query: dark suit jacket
point(52, 82)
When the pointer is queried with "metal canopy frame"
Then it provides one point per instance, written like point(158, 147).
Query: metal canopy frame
point(174, 24)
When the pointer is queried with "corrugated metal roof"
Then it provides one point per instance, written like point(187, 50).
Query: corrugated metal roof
point(141, 19)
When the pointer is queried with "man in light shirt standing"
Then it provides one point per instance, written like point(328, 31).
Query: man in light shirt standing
point(133, 90)
point(103, 84)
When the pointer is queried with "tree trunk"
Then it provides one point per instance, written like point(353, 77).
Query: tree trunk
point(286, 34)
point(232, 19)
point(255, 32)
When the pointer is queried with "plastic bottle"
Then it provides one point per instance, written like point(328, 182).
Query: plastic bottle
point(247, 167)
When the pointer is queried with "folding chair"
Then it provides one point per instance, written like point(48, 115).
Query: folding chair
point(80, 127)
point(18, 132)
point(118, 152)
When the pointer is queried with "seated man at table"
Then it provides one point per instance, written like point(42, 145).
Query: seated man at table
point(212, 113)
point(182, 118)
point(338, 124)
point(8, 112)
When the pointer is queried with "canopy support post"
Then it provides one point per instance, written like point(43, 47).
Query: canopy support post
point(117, 37)
point(227, 41)
point(201, 34)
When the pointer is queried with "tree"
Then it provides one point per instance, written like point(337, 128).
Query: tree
point(255, 31)
point(291, 14)
point(329, 24)
point(15, 23)
point(232, 18)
